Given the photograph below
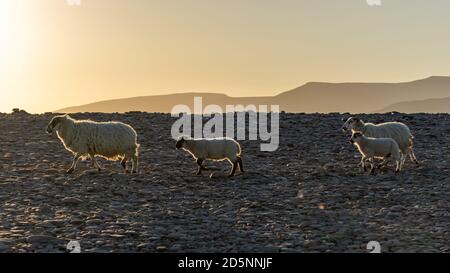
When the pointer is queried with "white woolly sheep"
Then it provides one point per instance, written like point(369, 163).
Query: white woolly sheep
point(370, 148)
point(395, 130)
point(109, 140)
point(216, 149)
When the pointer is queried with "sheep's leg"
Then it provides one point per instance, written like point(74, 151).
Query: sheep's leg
point(412, 156)
point(74, 164)
point(372, 166)
point(241, 167)
point(399, 166)
point(410, 151)
point(385, 162)
point(233, 170)
point(99, 169)
point(135, 167)
point(95, 162)
point(363, 163)
point(123, 163)
point(403, 156)
point(200, 166)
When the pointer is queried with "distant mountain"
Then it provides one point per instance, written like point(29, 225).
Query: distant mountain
point(162, 103)
point(420, 106)
point(309, 98)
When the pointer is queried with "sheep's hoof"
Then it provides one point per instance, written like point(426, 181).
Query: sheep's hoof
point(70, 171)
point(99, 170)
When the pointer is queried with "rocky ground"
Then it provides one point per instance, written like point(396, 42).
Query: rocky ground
point(309, 196)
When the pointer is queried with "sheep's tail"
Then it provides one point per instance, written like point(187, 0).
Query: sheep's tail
point(239, 149)
point(411, 141)
point(137, 149)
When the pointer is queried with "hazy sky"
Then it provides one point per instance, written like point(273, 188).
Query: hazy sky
point(54, 55)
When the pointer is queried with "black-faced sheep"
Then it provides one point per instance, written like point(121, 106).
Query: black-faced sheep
point(109, 140)
point(216, 149)
point(370, 148)
point(395, 130)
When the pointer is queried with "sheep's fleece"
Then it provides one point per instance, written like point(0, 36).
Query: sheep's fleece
point(370, 148)
point(216, 149)
point(109, 140)
point(395, 130)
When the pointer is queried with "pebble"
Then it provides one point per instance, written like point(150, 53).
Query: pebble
point(308, 196)
point(71, 201)
point(42, 239)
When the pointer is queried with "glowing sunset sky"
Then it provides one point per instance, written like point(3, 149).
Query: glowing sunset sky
point(54, 55)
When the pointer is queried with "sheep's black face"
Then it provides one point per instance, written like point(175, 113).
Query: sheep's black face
point(346, 125)
point(54, 124)
point(179, 144)
point(350, 124)
point(51, 125)
point(355, 137)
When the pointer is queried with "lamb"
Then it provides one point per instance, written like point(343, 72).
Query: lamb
point(109, 140)
point(370, 148)
point(395, 130)
point(217, 149)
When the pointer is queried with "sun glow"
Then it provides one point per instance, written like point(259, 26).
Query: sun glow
point(55, 55)
point(7, 37)
point(15, 48)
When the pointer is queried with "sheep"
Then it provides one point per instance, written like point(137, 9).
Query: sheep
point(370, 148)
point(85, 138)
point(216, 149)
point(395, 130)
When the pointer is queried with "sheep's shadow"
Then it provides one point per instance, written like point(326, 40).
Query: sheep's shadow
point(219, 174)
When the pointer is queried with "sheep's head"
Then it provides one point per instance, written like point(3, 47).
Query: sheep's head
point(353, 124)
point(55, 123)
point(356, 136)
point(180, 142)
